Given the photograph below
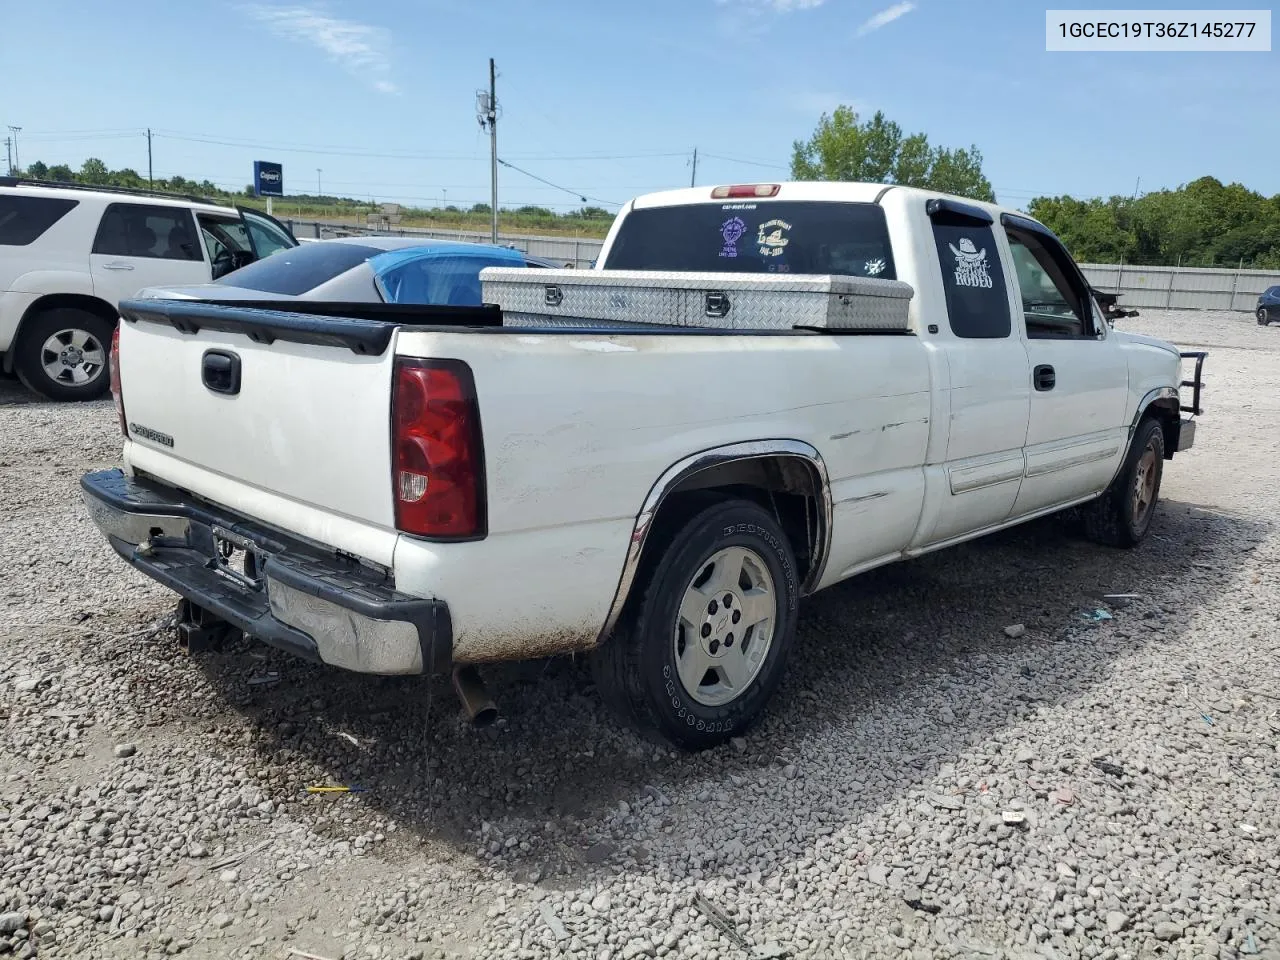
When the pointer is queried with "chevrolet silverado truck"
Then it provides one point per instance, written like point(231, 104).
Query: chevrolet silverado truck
point(425, 490)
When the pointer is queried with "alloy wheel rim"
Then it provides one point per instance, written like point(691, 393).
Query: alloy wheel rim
point(725, 626)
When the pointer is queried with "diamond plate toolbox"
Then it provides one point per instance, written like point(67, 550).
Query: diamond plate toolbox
point(747, 302)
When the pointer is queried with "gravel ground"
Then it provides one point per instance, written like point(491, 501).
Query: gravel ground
point(930, 781)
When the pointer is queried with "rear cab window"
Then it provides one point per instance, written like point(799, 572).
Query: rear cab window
point(765, 236)
point(295, 271)
point(24, 219)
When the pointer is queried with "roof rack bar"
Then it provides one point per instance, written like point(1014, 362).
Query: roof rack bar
point(141, 191)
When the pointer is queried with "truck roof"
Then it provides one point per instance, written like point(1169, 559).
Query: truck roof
point(812, 191)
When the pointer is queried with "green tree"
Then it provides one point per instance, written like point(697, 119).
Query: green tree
point(38, 170)
point(94, 171)
point(843, 148)
point(1201, 223)
point(62, 173)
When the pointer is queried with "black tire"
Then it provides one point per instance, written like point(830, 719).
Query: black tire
point(636, 670)
point(1122, 516)
point(1264, 318)
point(30, 356)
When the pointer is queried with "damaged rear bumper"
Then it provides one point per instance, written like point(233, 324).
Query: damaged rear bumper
point(288, 594)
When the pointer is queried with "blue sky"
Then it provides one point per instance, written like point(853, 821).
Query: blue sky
point(381, 96)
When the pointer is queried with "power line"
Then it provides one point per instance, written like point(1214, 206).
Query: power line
point(69, 136)
point(576, 193)
point(749, 163)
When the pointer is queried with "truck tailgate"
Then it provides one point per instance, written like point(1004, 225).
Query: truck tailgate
point(304, 429)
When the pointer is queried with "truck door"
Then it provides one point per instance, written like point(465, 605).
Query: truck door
point(987, 400)
point(1077, 432)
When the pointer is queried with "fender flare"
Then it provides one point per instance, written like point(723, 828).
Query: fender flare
point(696, 463)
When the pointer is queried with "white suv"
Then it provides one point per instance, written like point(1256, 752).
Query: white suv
point(70, 253)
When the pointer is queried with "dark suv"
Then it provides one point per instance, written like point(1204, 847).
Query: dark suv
point(1268, 306)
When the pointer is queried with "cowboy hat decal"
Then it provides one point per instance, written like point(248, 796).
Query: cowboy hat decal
point(971, 264)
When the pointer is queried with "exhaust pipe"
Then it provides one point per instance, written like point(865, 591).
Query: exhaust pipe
point(479, 708)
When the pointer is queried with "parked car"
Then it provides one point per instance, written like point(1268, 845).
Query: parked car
point(764, 390)
point(361, 270)
point(69, 253)
point(1268, 309)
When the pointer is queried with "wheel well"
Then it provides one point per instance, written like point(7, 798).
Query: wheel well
point(55, 301)
point(1169, 415)
point(789, 487)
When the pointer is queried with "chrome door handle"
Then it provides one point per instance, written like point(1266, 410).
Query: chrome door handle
point(117, 266)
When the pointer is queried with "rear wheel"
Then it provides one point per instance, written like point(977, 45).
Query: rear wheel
point(1122, 516)
point(703, 645)
point(1264, 317)
point(62, 354)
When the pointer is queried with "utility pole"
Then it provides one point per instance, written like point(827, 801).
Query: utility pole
point(493, 145)
point(17, 164)
point(8, 157)
point(318, 172)
point(487, 114)
point(693, 179)
point(151, 180)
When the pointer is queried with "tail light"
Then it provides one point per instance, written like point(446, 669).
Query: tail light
point(746, 190)
point(114, 365)
point(437, 452)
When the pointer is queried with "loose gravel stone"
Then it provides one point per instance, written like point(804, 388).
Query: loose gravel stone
point(1117, 921)
point(124, 750)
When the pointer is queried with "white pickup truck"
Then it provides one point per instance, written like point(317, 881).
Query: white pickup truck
point(409, 490)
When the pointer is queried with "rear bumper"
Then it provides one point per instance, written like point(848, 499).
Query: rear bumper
point(291, 595)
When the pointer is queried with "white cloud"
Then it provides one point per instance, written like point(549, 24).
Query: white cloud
point(359, 48)
point(752, 18)
point(886, 17)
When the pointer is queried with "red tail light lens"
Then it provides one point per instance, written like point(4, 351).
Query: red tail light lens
point(114, 365)
point(437, 452)
point(746, 190)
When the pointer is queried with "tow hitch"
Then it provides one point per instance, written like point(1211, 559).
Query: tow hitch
point(200, 631)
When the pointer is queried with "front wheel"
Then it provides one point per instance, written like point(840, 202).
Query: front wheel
point(703, 646)
point(62, 354)
point(1122, 516)
point(1264, 318)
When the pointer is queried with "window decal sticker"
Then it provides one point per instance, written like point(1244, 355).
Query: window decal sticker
point(874, 267)
point(971, 264)
point(771, 237)
point(731, 231)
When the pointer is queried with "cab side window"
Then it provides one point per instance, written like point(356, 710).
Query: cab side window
point(972, 278)
point(1054, 303)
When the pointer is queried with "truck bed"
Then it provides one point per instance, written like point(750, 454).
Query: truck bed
point(574, 438)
